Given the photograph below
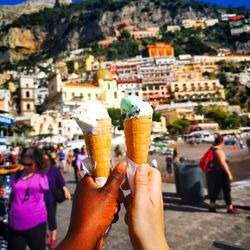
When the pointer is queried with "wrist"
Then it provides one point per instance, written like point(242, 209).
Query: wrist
point(82, 240)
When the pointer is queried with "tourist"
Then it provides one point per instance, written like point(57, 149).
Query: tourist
point(248, 144)
point(145, 202)
point(69, 159)
point(76, 152)
point(169, 162)
point(83, 155)
point(28, 213)
point(220, 177)
point(55, 180)
point(61, 159)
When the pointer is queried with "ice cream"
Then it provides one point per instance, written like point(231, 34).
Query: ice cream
point(95, 123)
point(137, 126)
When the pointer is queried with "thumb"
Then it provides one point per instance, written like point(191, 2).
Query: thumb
point(141, 180)
point(115, 179)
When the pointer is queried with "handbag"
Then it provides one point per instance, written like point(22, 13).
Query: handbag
point(59, 195)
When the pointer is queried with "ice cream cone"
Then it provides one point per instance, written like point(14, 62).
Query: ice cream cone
point(137, 135)
point(99, 148)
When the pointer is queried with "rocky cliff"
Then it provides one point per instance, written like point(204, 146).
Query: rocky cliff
point(51, 31)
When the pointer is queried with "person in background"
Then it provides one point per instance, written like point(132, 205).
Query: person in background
point(28, 214)
point(248, 144)
point(220, 177)
point(144, 202)
point(83, 155)
point(76, 152)
point(175, 154)
point(61, 162)
point(69, 159)
point(55, 180)
point(169, 162)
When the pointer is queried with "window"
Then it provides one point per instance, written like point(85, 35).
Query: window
point(27, 94)
point(73, 94)
point(115, 95)
point(96, 95)
point(89, 96)
point(108, 85)
point(28, 106)
point(81, 95)
point(59, 124)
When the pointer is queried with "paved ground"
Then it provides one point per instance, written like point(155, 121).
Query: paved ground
point(186, 227)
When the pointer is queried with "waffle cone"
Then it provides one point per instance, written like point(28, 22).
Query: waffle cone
point(99, 148)
point(137, 135)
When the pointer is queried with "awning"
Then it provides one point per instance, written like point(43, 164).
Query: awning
point(4, 120)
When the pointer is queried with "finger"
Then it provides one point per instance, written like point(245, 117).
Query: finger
point(141, 181)
point(154, 185)
point(115, 179)
point(87, 181)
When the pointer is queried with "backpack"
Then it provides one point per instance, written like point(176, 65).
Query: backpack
point(207, 160)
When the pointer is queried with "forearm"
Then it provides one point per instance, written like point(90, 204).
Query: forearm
point(149, 243)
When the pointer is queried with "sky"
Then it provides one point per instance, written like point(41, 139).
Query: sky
point(219, 2)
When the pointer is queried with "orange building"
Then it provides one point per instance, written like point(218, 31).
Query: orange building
point(160, 49)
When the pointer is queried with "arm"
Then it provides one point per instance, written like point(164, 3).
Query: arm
point(145, 211)
point(93, 211)
point(223, 164)
point(61, 183)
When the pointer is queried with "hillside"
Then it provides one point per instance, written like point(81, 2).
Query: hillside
point(53, 30)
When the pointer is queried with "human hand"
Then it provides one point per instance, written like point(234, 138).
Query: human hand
point(93, 211)
point(145, 211)
point(67, 194)
point(230, 176)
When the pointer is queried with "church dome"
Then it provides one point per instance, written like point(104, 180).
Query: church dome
point(103, 74)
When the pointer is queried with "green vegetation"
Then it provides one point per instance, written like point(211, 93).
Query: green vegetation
point(235, 93)
point(178, 126)
point(157, 116)
point(116, 118)
point(224, 120)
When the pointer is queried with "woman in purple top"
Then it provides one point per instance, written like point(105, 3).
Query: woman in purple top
point(55, 180)
point(28, 213)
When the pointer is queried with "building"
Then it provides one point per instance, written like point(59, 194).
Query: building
point(238, 25)
point(67, 96)
point(49, 123)
point(160, 49)
point(172, 115)
point(211, 22)
point(5, 101)
point(173, 28)
point(197, 90)
point(27, 95)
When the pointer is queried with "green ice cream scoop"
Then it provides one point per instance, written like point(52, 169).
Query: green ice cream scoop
point(131, 106)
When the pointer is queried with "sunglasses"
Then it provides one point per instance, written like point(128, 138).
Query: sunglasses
point(27, 195)
point(27, 164)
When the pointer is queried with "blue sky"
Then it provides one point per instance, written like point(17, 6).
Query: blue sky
point(220, 2)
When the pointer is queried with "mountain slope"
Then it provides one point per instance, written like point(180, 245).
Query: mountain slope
point(53, 30)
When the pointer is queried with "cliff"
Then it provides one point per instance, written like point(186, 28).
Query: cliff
point(53, 30)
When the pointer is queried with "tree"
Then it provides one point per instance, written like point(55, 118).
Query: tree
point(178, 126)
point(125, 35)
point(218, 116)
point(156, 116)
point(116, 118)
